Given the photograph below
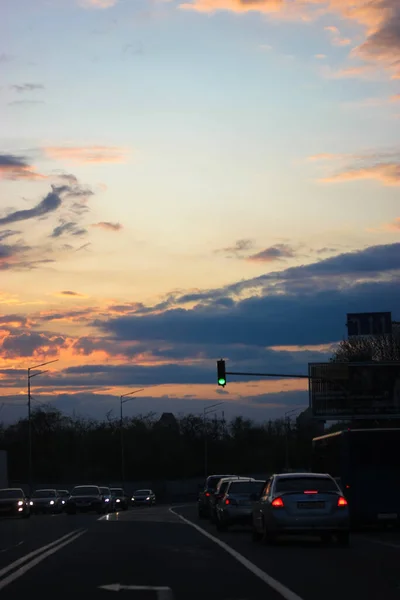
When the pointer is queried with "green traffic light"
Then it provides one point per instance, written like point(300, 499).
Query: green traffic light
point(221, 381)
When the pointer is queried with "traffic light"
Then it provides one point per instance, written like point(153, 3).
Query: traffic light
point(221, 373)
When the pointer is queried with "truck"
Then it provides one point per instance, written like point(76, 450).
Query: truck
point(366, 464)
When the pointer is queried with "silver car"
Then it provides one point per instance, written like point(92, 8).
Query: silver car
point(236, 505)
point(143, 498)
point(305, 503)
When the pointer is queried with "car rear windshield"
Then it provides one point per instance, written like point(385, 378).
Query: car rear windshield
point(4, 494)
point(89, 490)
point(212, 482)
point(302, 484)
point(246, 487)
point(44, 494)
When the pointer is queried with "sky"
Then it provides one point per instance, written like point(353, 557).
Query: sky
point(185, 181)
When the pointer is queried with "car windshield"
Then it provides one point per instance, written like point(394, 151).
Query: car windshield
point(88, 490)
point(44, 494)
point(245, 487)
point(105, 491)
point(63, 493)
point(4, 494)
point(302, 484)
point(142, 493)
point(117, 492)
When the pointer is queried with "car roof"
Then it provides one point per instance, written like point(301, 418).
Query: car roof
point(237, 478)
point(86, 486)
point(46, 490)
point(11, 490)
point(294, 475)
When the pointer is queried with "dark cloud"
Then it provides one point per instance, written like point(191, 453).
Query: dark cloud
point(30, 343)
point(49, 204)
point(237, 249)
point(17, 167)
point(68, 227)
point(27, 87)
point(302, 305)
point(273, 253)
point(69, 293)
point(6, 233)
point(384, 42)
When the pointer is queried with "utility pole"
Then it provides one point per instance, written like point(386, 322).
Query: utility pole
point(121, 428)
point(207, 410)
point(288, 415)
point(30, 458)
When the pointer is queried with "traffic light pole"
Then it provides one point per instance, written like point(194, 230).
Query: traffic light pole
point(268, 375)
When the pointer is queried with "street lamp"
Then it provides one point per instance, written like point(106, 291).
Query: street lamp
point(207, 410)
point(122, 400)
point(30, 376)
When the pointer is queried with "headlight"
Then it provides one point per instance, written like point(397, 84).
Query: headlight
point(62, 501)
point(107, 499)
point(51, 502)
point(133, 499)
point(31, 503)
point(118, 500)
point(148, 498)
point(20, 503)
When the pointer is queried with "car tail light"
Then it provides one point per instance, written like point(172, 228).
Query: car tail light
point(277, 503)
point(231, 501)
point(311, 492)
point(342, 501)
point(207, 494)
point(227, 501)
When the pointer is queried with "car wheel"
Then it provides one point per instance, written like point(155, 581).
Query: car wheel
point(267, 537)
point(343, 539)
point(256, 535)
point(221, 524)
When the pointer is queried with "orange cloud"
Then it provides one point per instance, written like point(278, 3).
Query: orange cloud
point(386, 173)
point(16, 168)
point(98, 3)
point(395, 98)
point(238, 6)
point(323, 156)
point(87, 154)
point(393, 226)
point(108, 226)
point(337, 39)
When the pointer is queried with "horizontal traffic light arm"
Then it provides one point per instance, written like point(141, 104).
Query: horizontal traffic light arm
point(269, 375)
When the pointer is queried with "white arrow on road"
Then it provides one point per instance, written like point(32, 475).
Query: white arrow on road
point(163, 592)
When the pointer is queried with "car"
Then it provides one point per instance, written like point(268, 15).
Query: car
point(64, 495)
point(216, 496)
point(85, 498)
point(120, 498)
point(301, 503)
point(143, 498)
point(236, 504)
point(203, 502)
point(108, 499)
point(45, 501)
point(13, 502)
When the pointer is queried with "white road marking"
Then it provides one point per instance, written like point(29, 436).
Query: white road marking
point(163, 592)
point(273, 583)
point(26, 567)
point(381, 542)
point(11, 547)
point(23, 559)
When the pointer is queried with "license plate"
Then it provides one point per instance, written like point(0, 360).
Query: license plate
point(84, 504)
point(387, 516)
point(311, 505)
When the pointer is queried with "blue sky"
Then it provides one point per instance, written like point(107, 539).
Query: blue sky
point(163, 153)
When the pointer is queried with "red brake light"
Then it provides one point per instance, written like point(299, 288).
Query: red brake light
point(311, 492)
point(227, 501)
point(207, 494)
point(277, 503)
point(342, 501)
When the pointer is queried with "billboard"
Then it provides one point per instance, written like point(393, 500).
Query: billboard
point(372, 323)
point(354, 390)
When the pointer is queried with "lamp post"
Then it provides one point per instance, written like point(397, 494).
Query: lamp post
point(30, 376)
point(122, 400)
point(207, 410)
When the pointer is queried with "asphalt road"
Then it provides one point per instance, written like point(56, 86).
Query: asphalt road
point(62, 556)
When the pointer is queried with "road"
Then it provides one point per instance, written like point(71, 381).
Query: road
point(182, 558)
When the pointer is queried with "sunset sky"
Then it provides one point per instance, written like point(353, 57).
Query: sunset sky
point(184, 181)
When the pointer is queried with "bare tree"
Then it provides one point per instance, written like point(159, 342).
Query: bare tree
point(379, 348)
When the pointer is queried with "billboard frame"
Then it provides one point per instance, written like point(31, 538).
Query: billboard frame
point(343, 394)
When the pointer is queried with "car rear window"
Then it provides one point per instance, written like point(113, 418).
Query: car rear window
point(246, 487)
point(302, 484)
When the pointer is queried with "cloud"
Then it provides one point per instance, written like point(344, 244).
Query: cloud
point(336, 38)
point(236, 251)
point(4, 57)
point(393, 226)
point(320, 56)
point(99, 4)
point(25, 102)
point(395, 98)
point(273, 253)
point(6, 233)
point(17, 167)
point(9, 255)
point(70, 293)
point(383, 167)
point(108, 226)
point(87, 154)
point(68, 227)
point(27, 87)
point(31, 344)
point(300, 305)
point(50, 203)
